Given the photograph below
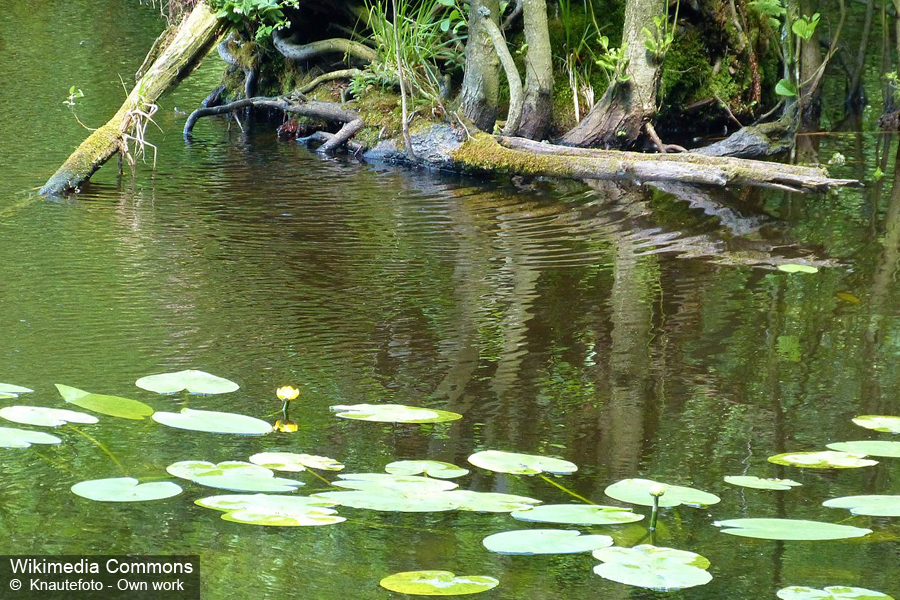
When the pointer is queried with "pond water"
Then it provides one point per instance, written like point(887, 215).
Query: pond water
point(636, 332)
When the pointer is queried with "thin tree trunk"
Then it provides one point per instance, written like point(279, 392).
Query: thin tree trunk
point(856, 97)
point(538, 108)
point(514, 115)
point(481, 82)
point(196, 35)
point(619, 118)
point(810, 63)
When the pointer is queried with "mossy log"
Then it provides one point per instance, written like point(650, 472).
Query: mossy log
point(512, 155)
point(196, 35)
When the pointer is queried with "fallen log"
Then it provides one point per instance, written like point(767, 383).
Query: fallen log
point(685, 167)
point(196, 35)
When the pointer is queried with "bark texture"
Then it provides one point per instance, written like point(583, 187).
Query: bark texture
point(618, 119)
point(537, 110)
point(481, 81)
point(516, 96)
point(196, 35)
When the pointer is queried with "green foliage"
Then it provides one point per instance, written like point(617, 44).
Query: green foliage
point(805, 26)
point(431, 36)
point(659, 40)
point(73, 96)
point(258, 18)
point(786, 88)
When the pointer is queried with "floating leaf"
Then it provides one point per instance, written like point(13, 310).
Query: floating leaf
point(272, 511)
point(432, 468)
point(638, 491)
point(651, 567)
point(288, 461)
point(761, 484)
point(389, 501)
point(544, 541)
point(848, 297)
point(5, 396)
point(188, 469)
point(867, 448)
point(125, 489)
point(44, 417)
point(438, 583)
point(195, 382)
point(113, 406)
point(393, 413)
point(8, 390)
point(234, 476)
point(792, 268)
point(873, 506)
point(11, 437)
point(520, 464)
point(789, 529)
point(826, 459)
point(493, 502)
point(834, 592)
point(388, 482)
point(578, 514)
point(881, 423)
point(213, 422)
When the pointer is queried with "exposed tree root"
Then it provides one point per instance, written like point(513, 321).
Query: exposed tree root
point(323, 136)
point(342, 74)
point(311, 50)
point(251, 71)
point(320, 110)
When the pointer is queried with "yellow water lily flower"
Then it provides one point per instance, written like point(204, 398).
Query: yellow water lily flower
point(285, 426)
point(287, 393)
point(658, 489)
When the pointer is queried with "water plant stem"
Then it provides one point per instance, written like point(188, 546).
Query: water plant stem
point(314, 474)
point(654, 514)
point(99, 444)
point(566, 490)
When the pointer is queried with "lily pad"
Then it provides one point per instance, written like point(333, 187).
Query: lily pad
point(211, 421)
point(869, 448)
point(491, 502)
point(881, 423)
point(652, 567)
point(761, 484)
point(44, 417)
point(826, 459)
point(544, 541)
point(794, 268)
point(389, 500)
point(195, 382)
point(873, 506)
point(388, 482)
point(432, 468)
point(234, 476)
point(520, 464)
point(5, 396)
point(288, 461)
point(577, 514)
point(8, 390)
point(113, 406)
point(10, 437)
point(638, 491)
point(272, 511)
point(125, 489)
point(438, 583)
point(393, 413)
point(834, 592)
point(789, 529)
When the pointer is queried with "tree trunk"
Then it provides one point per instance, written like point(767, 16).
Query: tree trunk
point(537, 111)
point(619, 118)
point(196, 35)
point(481, 82)
point(810, 63)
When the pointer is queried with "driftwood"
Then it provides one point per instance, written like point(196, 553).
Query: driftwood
point(197, 33)
point(756, 141)
point(519, 155)
point(321, 110)
point(311, 50)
